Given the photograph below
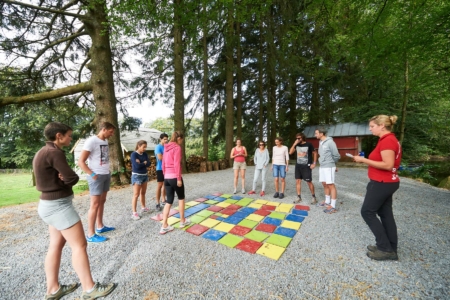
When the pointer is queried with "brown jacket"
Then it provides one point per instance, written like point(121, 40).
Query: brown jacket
point(48, 163)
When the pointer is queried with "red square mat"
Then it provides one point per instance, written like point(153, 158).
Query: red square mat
point(249, 246)
point(197, 229)
point(268, 207)
point(214, 208)
point(234, 206)
point(159, 217)
point(240, 230)
point(228, 212)
point(266, 227)
point(262, 212)
point(213, 217)
point(201, 199)
point(302, 207)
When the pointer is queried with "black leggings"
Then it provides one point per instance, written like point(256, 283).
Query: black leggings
point(378, 201)
point(172, 188)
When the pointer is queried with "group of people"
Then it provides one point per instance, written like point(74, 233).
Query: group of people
point(55, 179)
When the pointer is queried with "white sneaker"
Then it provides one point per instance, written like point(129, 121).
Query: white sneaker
point(135, 216)
point(243, 191)
point(145, 210)
point(235, 191)
point(165, 230)
point(187, 222)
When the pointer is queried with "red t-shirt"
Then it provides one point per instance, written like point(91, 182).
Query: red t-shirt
point(386, 142)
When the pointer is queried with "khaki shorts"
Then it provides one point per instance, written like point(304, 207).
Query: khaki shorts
point(239, 165)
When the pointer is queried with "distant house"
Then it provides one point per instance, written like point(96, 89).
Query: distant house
point(128, 140)
point(347, 136)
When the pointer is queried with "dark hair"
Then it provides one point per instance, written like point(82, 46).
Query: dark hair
point(54, 128)
point(163, 135)
point(176, 135)
point(279, 138)
point(140, 143)
point(107, 126)
point(262, 142)
point(302, 135)
point(322, 130)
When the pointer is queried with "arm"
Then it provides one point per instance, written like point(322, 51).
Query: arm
point(334, 152)
point(267, 157)
point(66, 174)
point(255, 160)
point(232, 153)
point(177, 162)
point(387, 163)
point(313, 165)
point(82, 163)
point(147, 160)
point(287, 158)
point(245, 152)
point(292, 150)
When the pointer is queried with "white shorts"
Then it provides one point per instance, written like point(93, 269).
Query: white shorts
point(327, 175)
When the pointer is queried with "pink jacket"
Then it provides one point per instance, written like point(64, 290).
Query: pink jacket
point(171, 163)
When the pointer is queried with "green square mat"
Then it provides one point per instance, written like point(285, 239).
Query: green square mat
point(279, 240)
point(248, 223)
point(230, 240)
point(255, 235)
point(277, 215)
point(211, 202)
point(225, 196)
point(230, 201)
point(244, 202)
point(205, 213)
point(197, 218)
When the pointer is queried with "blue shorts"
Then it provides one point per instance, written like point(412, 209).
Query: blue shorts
point(279, 171)
point(139, 179)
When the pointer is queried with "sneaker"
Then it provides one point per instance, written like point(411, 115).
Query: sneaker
point(314, 201)
point(104, 229)
point(262, 194)
point(243, 191)
point(234, 191)
point(372, 248)
point(145, 210)
point(100, 290)
point(276, 195)
point(135, 216)
point(330, 210)
point(381, 255)
point(323, 204)
point(96, 239)
point(165, 230)
point(187, 222)
point(163, 203)
point(158, 207)
point(62, 291)
point(281, 196)
point(299, 199)
point(251, 193)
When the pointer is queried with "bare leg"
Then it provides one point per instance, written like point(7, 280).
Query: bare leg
point(243, 178)
point(92, 214)
point(53, 259)
point(159, 188)
point(80, 260)
point(283, 184)
point(101, 208)
point(311, 187)
point(163, 191)
point(333, 191)
point(236, 176)
point(276, 184)
point(326, 189)
point(166, 214)
point(298, 185)
point(181, 210)
point(136, 191)
point(142, 193)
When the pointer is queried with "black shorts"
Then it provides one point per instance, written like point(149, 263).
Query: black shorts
point(172, 188)
point(159, 176)
point(303, 172)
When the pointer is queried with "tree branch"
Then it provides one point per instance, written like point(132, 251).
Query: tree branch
point(66, 91)
point(56, 11)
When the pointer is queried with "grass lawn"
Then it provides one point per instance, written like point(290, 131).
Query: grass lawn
point(18, 189)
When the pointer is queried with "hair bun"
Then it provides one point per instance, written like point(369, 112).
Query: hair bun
point(393, 119)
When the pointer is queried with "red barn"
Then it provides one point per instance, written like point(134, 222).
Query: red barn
point(347, 136)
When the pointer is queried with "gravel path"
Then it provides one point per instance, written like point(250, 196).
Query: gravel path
point(325, 260)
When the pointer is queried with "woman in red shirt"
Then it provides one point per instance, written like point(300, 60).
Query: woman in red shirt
point(383, 164)
point(239, 153)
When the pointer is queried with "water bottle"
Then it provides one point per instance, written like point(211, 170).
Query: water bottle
point(361, 153)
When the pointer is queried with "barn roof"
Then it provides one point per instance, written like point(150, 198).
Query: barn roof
point(128, 139)
point(344, 129)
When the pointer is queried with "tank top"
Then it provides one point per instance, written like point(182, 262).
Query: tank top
point(239, 158)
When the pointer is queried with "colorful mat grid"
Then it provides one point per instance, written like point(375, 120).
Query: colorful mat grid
point(254, 226)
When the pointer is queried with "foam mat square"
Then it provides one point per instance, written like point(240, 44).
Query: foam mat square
point(260, 201)
point(240, 230)
point(256, 236)
point(291, 225)
point(225, 227)
point(255, 217)
point(205, 213)
point(248, 223)
point(277, 215)
point(266, 227)
point(214, 235)
point(271, 251)
point(268, 207)
point(230, 240)
point(279, 240)
point(255, 205)
point(197, 229)
point(273, 203)
point(210, 222)
point(192, 203)
point(223, 204)
point(249, 246)
point(215, 208)
point(302, 207)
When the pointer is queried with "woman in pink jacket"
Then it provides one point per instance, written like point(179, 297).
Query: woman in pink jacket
point(173, 182)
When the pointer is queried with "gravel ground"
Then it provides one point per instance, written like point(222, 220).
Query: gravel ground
point(325, 260)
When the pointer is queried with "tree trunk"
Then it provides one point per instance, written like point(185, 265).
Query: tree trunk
point(260, 85)
point(271, 62)
point(179, 74)
point(205, 84)
point(229, 111)
point(103, 84)
point(293, 107)
point(405, 101)
point(314, 112)
point(238, 81)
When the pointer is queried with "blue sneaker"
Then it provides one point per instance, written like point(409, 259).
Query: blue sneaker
point(104, 229)
point(96, 239)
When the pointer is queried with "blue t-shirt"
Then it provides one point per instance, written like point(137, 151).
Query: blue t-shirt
point(159, 149)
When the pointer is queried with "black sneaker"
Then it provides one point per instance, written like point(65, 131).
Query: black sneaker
point(158, 207)
point(381, 255)
point(276, 195)
point(281, 196)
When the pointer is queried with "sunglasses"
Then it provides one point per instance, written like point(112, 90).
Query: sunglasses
point(261, 144)
point(299, 138)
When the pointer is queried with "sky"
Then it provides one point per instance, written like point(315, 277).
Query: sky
point(148, 113)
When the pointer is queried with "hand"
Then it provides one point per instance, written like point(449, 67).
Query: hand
point(145, 162)
point(312, 166)
point(287, 168)
point(138, 161)
point(179, 183)
point(95, 177)
point(358, 159)
point(60, 176)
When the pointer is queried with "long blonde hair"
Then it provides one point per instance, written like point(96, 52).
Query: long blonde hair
point(387, 121)
point(176, 135)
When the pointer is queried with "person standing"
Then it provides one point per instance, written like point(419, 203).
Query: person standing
point(96, 151)
point(239, 153)
point(306, 162)
point(160, 190)
point(171, 166)
point(261, 160)
point(55, 179)
point(280, 166)
point(328, 156)
point(383, 163)
point(139, 177)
